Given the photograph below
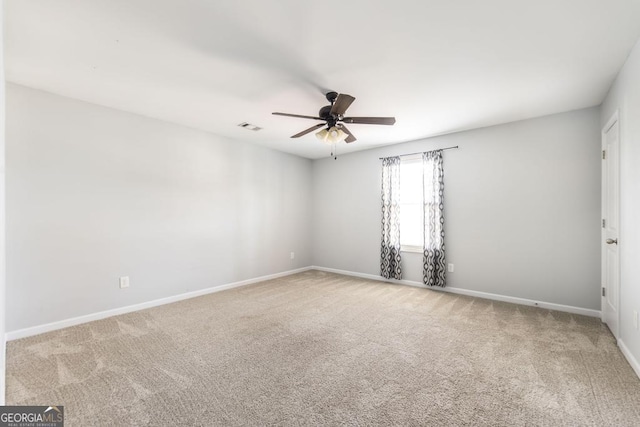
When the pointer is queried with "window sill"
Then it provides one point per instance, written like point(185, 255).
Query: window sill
point(411, 249)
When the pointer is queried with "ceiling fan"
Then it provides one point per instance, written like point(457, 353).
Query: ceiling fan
point(334, 120)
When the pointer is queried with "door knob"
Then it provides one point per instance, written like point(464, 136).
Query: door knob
point(612, 241)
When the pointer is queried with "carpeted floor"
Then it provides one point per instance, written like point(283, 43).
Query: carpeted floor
point(322, 349)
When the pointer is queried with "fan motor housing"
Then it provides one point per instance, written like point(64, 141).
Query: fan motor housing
point(325, 112)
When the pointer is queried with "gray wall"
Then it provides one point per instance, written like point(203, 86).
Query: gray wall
point(625, 97)
point(522, 209)
point(95, 193)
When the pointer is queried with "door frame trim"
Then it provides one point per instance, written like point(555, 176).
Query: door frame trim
point(615, 117)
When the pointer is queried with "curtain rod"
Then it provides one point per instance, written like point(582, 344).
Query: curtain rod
point(421, 152)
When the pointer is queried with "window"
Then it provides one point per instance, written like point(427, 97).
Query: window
point(411, 205)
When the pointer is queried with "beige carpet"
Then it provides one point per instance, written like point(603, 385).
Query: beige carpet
point(322, 349)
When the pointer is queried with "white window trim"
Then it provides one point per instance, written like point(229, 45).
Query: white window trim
point(411, 248)
point(412, 157)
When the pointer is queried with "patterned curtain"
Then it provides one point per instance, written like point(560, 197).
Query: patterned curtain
point(433, 185)
point(390, 267)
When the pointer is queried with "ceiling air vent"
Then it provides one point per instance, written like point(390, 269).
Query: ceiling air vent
point(249, 126)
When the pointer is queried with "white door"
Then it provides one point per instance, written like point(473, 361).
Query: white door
point(611, 224)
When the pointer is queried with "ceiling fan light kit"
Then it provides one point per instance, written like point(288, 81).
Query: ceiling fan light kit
point(333, 117)
point(332, 135)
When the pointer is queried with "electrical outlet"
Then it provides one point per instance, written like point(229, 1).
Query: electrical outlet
point(293, 255)
point(450, 268)
point(635, 319)
point(124, 282)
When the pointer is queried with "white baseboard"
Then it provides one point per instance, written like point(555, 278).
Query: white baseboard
point(36, 330)
point(40, 329)
point(467, 292)
point(632, 360)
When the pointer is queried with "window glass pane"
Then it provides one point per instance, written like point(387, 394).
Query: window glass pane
point(411, 225)
point(411, 182)
point(411, 208)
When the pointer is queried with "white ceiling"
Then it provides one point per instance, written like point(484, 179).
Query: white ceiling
point(438, 66)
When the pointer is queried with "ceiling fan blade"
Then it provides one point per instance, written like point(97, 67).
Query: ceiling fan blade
point(349, 138)
point(370, 120)
point(297, 115)
point(311, 129)
point(342, 103)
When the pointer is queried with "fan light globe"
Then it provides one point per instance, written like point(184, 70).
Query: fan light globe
point(332, 135)
point(322, 135)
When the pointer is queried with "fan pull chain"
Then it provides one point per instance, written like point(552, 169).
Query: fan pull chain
point(334, 151)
